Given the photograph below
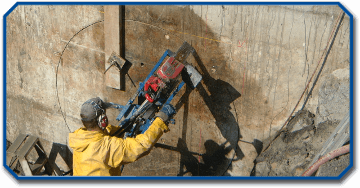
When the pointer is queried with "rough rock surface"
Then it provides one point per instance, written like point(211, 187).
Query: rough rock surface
point(334, 96)
point(291, 153)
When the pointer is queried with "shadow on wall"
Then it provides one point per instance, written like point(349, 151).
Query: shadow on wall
point(146, 27)
point(212, 159)
point(65, 154)
point(222, 94)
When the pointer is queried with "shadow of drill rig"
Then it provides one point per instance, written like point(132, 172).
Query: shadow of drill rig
point(222, 94)
point(214, 156)
point(210, 164)
point(218, 95)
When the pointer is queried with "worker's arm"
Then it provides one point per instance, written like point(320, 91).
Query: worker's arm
point(110, 129)
point(135, 147)
point(129, 149)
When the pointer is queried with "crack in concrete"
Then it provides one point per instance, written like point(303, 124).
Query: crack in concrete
point(291, 60)
point(305, 47)
point(232, 38)
point(277, 74)
point(222, 20)
point(269, 84)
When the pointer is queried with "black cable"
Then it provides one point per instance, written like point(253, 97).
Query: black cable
point(57, 68)
point(325, 58)
point(122, 168)
point(290, 117)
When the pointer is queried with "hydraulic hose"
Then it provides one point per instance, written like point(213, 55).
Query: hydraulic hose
point(325, 158)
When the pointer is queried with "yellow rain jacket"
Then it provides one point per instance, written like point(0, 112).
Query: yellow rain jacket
point(99, 154)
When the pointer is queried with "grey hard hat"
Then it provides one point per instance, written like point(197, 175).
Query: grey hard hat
point(92, 109)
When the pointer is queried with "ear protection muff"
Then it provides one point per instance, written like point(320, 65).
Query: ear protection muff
point(102, 118)
point(103, 121)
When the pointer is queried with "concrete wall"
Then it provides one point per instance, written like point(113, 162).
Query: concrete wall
point(255, 61)
point(36, 36)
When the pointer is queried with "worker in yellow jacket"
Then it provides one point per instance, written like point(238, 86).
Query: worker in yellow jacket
point(96, 153)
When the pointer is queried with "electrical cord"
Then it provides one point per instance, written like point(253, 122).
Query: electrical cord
point(328, 47)
point(325, 58)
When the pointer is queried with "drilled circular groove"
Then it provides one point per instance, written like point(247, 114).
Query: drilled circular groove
point(57, 69)
point(218, 140)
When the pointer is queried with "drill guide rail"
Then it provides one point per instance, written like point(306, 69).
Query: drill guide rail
point(139, 117)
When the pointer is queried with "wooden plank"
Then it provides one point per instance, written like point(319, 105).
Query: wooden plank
point(28, 145)
point(36, 168)
point(112, 43)
point(18, 141)
point(11, 159)
point(13, 164)
point(25, 166)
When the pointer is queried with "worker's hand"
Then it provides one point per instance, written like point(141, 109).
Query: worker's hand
point(166, 113)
